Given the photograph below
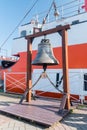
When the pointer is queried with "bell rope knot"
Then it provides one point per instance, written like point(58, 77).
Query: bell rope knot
point(44, 75)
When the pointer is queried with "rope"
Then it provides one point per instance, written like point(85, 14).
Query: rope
point(58, 87)
point(46, 76)
point(43, 75)
point(28, 89)
point(54, 85)
point(59, 82)
point(44, 20)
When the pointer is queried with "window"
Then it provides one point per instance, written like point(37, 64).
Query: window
point(85, 82)
point(23, 33)
point(75, 22)
point(57, 79)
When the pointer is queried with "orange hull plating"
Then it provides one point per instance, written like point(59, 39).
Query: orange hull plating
point(77, 56)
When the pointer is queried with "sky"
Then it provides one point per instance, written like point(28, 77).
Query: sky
point(13, 11)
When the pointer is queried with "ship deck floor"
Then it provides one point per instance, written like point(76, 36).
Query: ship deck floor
point(42, 110)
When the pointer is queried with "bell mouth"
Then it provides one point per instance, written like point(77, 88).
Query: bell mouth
point(45, 66)
point(48, 64)
point(45, 56)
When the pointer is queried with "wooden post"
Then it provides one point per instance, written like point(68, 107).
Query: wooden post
point(65, 67)
point(29, 68)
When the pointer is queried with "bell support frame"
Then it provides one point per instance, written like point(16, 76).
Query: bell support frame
point(64, 35)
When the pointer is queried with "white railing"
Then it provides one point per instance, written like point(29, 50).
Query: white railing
point(67, 9)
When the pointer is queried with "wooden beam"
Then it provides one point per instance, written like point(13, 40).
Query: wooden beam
point(65, 67)
point(46, 32)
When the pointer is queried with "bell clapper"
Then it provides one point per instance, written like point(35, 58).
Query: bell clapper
point(43, 75)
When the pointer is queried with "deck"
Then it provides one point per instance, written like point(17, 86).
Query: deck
point(41, 110)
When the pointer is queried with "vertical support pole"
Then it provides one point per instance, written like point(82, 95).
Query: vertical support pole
point(29, 68)
point(4, 82)
point(65, 67)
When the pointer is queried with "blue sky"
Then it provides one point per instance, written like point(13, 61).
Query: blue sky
point(12, 11)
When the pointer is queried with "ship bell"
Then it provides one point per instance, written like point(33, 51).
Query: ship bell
point(45, 56)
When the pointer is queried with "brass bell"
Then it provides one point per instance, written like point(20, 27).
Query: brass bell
point(45, 55)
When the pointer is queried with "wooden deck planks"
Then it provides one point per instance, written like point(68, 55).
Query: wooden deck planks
point(41, 110)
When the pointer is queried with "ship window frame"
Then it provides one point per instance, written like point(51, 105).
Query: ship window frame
point(23, 33)
point(57, 80)
point(85, 82)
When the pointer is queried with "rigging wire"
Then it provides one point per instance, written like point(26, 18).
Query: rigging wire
point(44, 20)
point(18, 24)
point(27, 14)
point(56, 13)
point(67, 6)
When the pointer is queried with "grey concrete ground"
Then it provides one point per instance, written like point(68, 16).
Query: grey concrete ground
point(74, 121)
point(77, 120)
